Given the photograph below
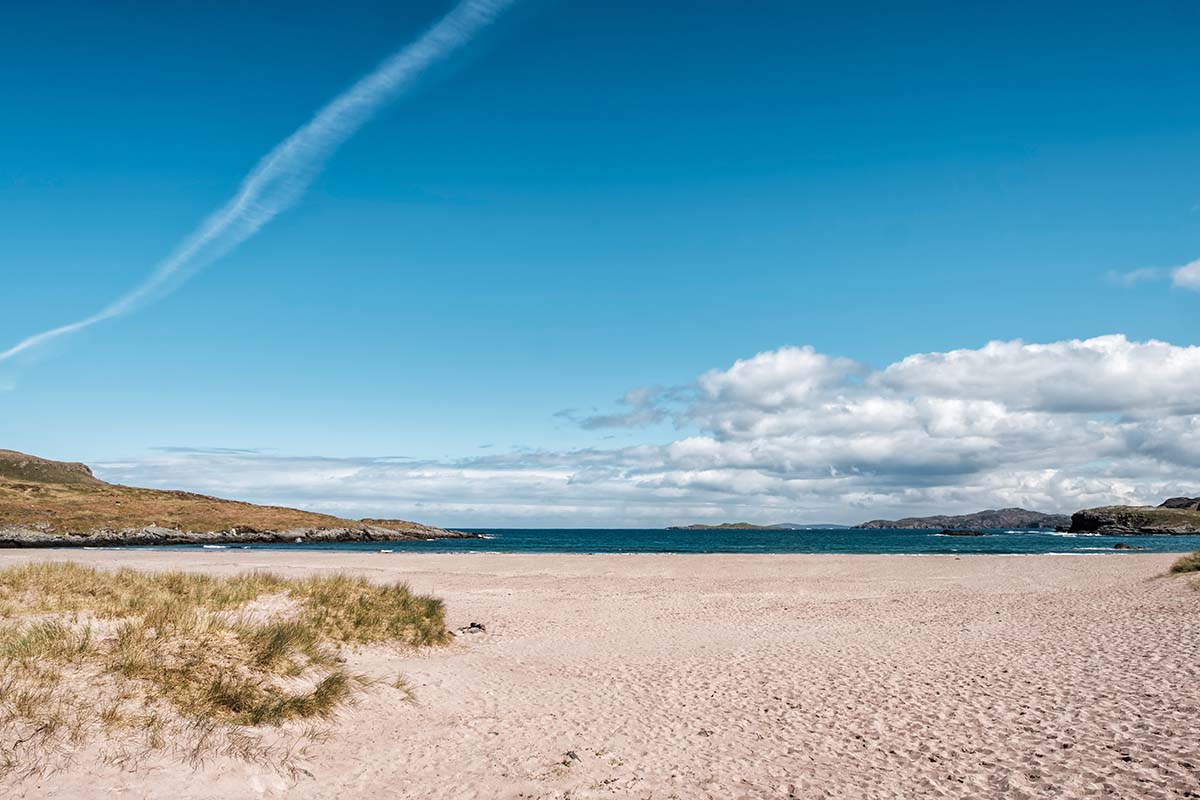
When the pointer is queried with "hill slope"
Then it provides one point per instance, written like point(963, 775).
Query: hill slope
point(1017, 518)
point(53, 502)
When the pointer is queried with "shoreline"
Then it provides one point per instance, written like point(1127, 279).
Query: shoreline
point(18, 538)
point(211, 548)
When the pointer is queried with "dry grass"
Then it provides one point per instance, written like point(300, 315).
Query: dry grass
point(1188, 563)
point(184, 660)
point(79, 507)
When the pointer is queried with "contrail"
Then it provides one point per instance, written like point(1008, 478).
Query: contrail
point(280, 178)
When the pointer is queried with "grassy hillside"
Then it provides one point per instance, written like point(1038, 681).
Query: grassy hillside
point(61, 497)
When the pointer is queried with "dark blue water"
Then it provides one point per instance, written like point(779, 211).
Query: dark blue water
point(599, 540)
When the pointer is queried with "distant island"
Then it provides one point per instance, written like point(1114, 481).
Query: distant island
point(749, 526)
point(1017, 518)
point(1178, 515)
point(46, 503)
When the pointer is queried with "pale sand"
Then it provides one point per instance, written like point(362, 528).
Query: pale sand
point(745, 677)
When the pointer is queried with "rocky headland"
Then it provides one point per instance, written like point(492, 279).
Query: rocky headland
point(1178, 515)
point(46, 503)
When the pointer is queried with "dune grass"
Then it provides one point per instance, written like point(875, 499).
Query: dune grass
point(86, 652)
point(1187, 563)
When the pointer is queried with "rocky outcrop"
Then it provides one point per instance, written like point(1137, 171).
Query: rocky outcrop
point(1184, 503)
point(1017, 518)
point(960, 532)
point(1179, 515)
point(155, 535)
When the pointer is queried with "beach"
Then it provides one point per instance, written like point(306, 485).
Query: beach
point(736, 676)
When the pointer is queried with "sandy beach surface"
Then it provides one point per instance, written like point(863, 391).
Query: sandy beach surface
point(735, 676)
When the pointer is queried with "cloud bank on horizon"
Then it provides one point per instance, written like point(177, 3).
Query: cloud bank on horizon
point(281, 177)
point(794, 434)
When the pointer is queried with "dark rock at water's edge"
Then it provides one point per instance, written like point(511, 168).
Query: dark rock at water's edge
point(154, 535)
point(1015, 518)
point(961, 532)
point(1124, 546)
point(1179, 515)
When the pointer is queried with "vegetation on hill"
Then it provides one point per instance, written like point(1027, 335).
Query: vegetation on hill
point(198, 664)
point(64, 498)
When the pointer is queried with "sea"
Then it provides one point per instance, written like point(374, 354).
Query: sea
point(627, 540)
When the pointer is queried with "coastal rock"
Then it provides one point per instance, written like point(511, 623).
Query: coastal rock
point(1185, 503)
point(1176, 516)
point(153, 535)
point(1124, 546)
point(961, 532)
point(1003, 518)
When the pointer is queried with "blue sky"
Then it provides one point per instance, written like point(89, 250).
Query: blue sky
point(590, 198)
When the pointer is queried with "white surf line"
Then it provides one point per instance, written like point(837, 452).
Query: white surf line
point(280, 178)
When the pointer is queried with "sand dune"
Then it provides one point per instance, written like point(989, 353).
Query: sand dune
point(723, 676)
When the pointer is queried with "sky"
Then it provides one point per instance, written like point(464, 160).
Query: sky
point(614, 263)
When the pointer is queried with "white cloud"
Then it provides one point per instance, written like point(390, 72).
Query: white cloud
point(794, 434)
point(282, 176)
point(1136, 276)
point(644, 404)
point(1107, 373)
point(1187, 276)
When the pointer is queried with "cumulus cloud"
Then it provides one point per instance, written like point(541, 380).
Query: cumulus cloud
point(795, 434)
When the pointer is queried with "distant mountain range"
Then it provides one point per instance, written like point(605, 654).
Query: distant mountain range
point(1016, 518)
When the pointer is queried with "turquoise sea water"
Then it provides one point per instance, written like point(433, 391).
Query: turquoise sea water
point(624, 540)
